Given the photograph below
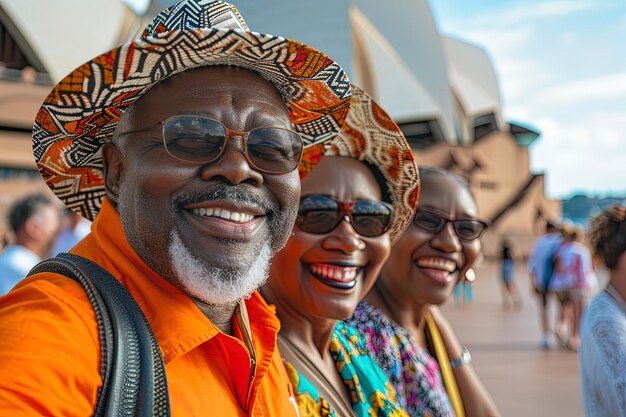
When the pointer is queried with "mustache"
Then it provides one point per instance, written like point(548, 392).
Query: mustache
point(226, 192)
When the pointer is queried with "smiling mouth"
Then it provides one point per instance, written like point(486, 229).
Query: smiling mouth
point(337, 276)
point(222, 213)
point(439, 269)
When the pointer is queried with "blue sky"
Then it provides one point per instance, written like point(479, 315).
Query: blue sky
point(562, 69)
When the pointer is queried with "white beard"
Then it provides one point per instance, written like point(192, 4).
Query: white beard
point(214, 285)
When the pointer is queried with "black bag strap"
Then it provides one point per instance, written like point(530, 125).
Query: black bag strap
point(132, 368)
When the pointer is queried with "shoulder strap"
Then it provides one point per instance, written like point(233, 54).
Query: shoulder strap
point(132, 368)
point(447, 374)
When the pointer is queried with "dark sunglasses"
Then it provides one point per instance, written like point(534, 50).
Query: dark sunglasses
point(320, 214)
point(201, 140)
point(433, 222)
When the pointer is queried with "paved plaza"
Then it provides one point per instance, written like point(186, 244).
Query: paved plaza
point(524, 379)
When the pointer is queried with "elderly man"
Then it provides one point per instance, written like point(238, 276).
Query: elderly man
point(35, 224)
point(194, 133)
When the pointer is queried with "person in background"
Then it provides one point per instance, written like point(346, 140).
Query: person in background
point(404, 330)
point(34, 221)
point(354, 204)
point(75, 228)
point(573, 277)
point(511, 296)
point(602, 355)
point(463, 289)
point(541, 267)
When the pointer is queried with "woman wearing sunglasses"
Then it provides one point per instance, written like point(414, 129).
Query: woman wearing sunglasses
point(404, 330)
point(354, 204)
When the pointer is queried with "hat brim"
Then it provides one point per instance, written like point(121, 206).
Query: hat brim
point(82, 111)
point(370, 135)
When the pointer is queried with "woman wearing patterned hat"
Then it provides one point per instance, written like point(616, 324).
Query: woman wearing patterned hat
point(405, 332)
point(602, 354)
point(354, 205)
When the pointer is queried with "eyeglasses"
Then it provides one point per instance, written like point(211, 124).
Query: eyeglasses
point(320, 214)
point(433, 222)
point(199, 139)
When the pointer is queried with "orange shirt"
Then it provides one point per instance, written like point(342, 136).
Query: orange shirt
point(49, 348)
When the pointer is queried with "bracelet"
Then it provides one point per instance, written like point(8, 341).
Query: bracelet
point(465, 358)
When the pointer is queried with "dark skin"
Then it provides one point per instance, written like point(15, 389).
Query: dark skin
point(421, 273)
point(307, 307)
point(155, 183)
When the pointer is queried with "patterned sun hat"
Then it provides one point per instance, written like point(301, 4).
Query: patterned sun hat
point(370, 135)
point(82, 111)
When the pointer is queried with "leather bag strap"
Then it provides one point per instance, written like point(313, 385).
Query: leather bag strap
point(132, 368)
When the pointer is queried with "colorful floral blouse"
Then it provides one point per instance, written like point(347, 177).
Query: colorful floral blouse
point(368, 388)
point(411, 369)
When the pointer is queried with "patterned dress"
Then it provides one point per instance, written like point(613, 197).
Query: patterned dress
point(369, 390)
point(411, 369)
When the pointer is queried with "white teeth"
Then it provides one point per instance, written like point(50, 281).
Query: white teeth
point(337, 273)
point(437, 263)
point(223, 214)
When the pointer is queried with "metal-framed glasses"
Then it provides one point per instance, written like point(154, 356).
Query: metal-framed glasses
point(320, 214)
point(201, 140)
point(466, 228)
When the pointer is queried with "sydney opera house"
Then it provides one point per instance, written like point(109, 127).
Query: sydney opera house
point(442, 91)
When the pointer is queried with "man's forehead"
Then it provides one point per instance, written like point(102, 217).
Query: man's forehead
point(215, 76)
point(178, 94)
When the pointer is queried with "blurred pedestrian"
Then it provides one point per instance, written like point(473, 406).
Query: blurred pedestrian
point(74, 229)
point(602, 358)
point(511, 296)
point(573, 277)
point(541, 267)
point(34, 221)
point(463, 289)
point(403, 327)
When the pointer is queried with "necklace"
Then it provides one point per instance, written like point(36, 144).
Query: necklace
point(324, 385)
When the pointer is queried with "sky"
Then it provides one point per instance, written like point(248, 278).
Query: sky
point(561, 66)
point(562, 69)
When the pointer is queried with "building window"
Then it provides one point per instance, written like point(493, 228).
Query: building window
point(484, 125)
point(421, 135)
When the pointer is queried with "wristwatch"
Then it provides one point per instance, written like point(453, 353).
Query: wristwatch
point(466, 357)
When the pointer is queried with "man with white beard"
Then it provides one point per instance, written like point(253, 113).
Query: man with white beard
point(182, 147)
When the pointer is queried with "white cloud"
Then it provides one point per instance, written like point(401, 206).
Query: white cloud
point(568, 38)
point(524, 12)
point(583, 143)
point(588, 155)
point(601, 88)
point(620, 23)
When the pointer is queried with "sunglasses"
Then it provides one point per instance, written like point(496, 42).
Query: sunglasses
point(320, 214)
point(433, 222)
point(200, 139)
